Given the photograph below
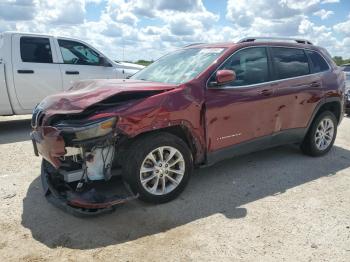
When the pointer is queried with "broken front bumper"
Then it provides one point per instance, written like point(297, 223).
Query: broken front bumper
point(48, 142)
point(95, 197)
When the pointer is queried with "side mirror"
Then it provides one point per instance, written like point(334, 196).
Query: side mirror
point(225, 76)
point(104, 62)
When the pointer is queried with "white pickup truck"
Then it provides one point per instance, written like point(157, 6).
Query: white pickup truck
point(34, 66)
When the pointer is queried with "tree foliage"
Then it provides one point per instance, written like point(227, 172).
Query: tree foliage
point(340, 61)
point(143, 62)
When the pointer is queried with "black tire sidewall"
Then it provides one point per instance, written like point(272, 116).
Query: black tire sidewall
point(137, 153)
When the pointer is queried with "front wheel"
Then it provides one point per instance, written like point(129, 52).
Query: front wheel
point(158, 167)
point(320, 138)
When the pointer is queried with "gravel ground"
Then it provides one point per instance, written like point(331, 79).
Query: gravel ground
point(274, 205)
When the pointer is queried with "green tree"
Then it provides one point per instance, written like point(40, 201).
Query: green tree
point(143, 62)
point(340, 61)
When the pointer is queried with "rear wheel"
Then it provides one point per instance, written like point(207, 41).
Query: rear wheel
point(158, 167)
point(320, 138)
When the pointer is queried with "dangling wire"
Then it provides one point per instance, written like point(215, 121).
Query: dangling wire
point(84, 177)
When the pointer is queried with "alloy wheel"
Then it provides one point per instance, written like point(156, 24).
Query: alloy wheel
point(324, 134)
point(162, 170)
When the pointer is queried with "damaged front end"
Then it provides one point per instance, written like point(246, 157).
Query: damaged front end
point(78, 172)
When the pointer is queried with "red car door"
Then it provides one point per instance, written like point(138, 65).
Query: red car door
point(299, 87)
point(244, 109)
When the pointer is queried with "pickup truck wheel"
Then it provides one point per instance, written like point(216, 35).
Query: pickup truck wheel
point(158, 167)
point(321, 135)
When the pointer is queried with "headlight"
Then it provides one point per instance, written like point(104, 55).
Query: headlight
point(87, 130)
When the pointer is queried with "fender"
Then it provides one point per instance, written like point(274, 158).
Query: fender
point(323, 102)
point(195, 140)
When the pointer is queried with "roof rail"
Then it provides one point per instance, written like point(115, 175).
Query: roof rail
point(193, 44)
point(297, 40)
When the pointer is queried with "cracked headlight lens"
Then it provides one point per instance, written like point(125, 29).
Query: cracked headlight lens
point(87, 130)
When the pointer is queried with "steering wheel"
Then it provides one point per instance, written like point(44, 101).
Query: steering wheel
point(75, 60)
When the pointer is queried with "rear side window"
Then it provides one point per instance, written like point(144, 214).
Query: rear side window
point(35, 49)
point(289, 62)
point(250, 66)
point(318, 64)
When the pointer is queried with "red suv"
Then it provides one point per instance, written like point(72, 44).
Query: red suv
point(193, 107)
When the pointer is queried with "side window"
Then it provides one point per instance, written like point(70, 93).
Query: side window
point(250, 66)
point(318, 64)
point(289, 62)
point(35, 49)
point(78, 53)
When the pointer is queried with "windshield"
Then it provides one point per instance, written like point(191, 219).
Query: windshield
point(180, 66)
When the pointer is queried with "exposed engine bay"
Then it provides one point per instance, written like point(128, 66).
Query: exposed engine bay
point(81, 172)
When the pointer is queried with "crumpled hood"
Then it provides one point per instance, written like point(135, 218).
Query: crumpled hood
point(86, 93)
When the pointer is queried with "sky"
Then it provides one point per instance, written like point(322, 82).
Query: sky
point(147, 29)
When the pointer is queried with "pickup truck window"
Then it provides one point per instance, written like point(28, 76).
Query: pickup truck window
point(78, 53)
point(35, 49)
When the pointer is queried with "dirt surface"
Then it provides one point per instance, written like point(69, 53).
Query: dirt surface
point(274, 205)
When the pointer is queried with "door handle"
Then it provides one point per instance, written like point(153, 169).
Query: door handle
point(25, 71)
point(72, 72)
point(315, 84)
point(266, 92)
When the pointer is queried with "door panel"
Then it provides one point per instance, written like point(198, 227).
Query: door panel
point(236, 115)
point(296, 100)
point(73, 73)
point(34, 71)
point(298, 91)
point(242, 110)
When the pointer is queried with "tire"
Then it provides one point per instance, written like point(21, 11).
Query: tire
point(145, 153)
point(309, 145)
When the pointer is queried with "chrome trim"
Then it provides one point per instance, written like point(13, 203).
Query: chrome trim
point(268, 82)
